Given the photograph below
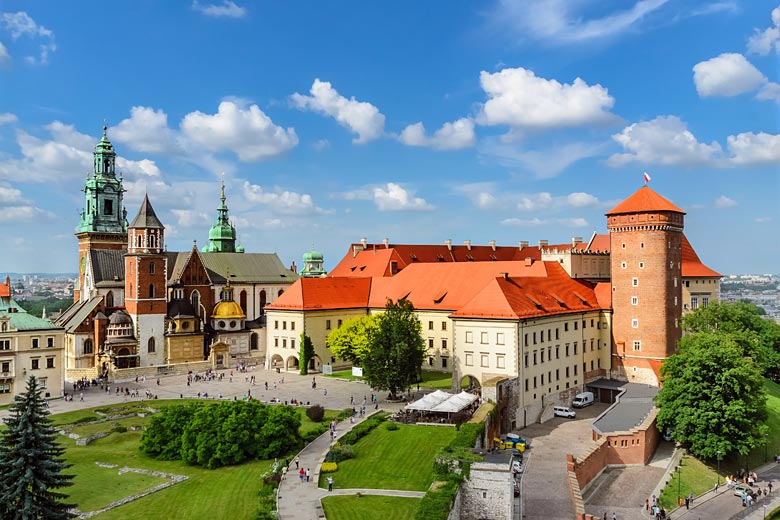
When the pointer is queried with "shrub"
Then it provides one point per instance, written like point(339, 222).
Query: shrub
point(312, 434)
point(119, 429)
point(87, 419)
point(329, 467)
point(435, 505)
point(344, 414)
point(391, 426)
point(316, 413)
point(363, 429)
point(340, 452)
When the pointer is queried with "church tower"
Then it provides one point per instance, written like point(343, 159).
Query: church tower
point(145, 283)
point(222, 235)
point(645, 255)
point(103, 223)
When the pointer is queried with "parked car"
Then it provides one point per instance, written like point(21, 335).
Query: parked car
point(517, 466)
point(583, 399)
point(669, 435)
point(739, 488)
point(564, 411)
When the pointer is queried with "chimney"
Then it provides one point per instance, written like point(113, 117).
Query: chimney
point(467, 243)
point(543, 243)
point(575, 241)
point(293, 267)
point(523, 244)
point(448, 243)
point(363, 242)
point(529, 262)
point(386, 242)
point(492, 244)
point(505, 275)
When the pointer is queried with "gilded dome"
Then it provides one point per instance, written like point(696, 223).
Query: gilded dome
point(228, 310)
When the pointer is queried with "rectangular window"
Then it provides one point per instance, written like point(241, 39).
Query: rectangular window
point(276, 342)
point(35, 363)
point(276, 324)
point(49, 362)
point(5, 388)
point(292, 325)
point(499, 338)
point(483, 338)
point(675, 281)
point(556, 333)
point(338, 324)
point(444, 362)
point(35, 343)
point(469, 337)
point(641, 265)
point(327, 324)
point(534, 338)
point(575, 325)
point(541, 360)
point(705, 300)
point(292, 343)
point(430, 343)
point(526, 384)
point(567, 372)
point(557, 352)
point(535, 357)
point(444, 344)
point(526, 360)
point(575, 370)
point(469, 359)
point(484, 360)
point(637, 345)
point(591, 344)
point(567, 350)
point(525, 342)
point(675, 301)
point(108, 207)
point(635, 300)
point(635, 282)
point(549, 353)
point(534, 381)
point(500, 361)
point(623, 265)
point(557, 374)
point(430, 325)
point(575, 348)
point(284, 325)
point(49, 342)
point(6, 366)
point(444, 325)
point(5, 344)
point(694, 302)
point(151, 267)
point(430, 361)
point(284, 342)
point(635, 323)
point(542, 379)
point(566, 327)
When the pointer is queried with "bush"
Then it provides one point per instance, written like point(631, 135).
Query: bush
point(391, 426)
point(316, 413)
point(344, 414)
point(119, 429)
point(435, 505)
point(363, 429)
point(329, 467)
point(312, 434)
point(340, 452)
point(87, 419)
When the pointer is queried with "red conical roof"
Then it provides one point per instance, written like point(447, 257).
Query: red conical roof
point(643, 200)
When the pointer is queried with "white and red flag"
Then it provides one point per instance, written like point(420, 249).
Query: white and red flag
point(647, 177)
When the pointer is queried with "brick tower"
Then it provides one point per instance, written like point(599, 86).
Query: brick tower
point(145, 277)
point(645, 255)
point(103, 223)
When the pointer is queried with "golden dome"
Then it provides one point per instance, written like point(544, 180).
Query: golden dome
point(228, 310)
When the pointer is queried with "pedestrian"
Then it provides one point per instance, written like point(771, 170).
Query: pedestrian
point(687, 502)
point(605, 515)
point(297, 461)
point(716, 488)
point(647, 504)
point(302, 474)
point(770, 487)
point(330, 483)
point(614, 516)
point(284, 472)
point(691, 496)
point(81, 396)
point(308, 474)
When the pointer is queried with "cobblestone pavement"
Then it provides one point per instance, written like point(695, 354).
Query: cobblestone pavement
point(623, 491)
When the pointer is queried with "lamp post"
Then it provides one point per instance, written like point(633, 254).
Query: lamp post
point(679, 479)
point(718, 484)
point(766, 446)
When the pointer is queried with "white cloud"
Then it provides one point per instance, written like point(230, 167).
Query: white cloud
point(146, 130)
point(564, 22)
point(249, 133)
point(769, 92)
point(729, 74)
point(5, 58)
point(519, 98)
point(663, 140)
point(538, 222)
point(581, 200)
point(768, 40)
point(748, 148)
point(359, 117)
point(190, 217)
point(9, 195)
point(6, 118)
point(321, 144)
point(487, 196)
point(725, 202)
point(395, 198)
point(763, 220)
point(283, 201)
point(543, 163)
point(20, 213)
point(227, 9)
point(451, 136)
point(21, 24)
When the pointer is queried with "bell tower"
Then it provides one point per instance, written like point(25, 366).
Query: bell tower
point(222, 235)
point(103, 223)
point(645, 255)
point(145, 283)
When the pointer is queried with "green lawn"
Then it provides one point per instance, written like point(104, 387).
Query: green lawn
point(369, 507)
point(700, 476)
point(400, 459)
point(436, 380)
point(344, 374)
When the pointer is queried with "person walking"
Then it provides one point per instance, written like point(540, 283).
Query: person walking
point(330, 483)
point(770, 487)
point(308, 474)
point(302, 474)
point(297, 462)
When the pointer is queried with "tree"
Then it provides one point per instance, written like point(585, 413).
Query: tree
point(396, 351)
point(352, 340)
point(31, 462)
point(307, 353)
point(713, 396)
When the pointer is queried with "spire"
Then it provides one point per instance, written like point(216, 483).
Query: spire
point(146, 217)
point(222, 235)
point(103, 210)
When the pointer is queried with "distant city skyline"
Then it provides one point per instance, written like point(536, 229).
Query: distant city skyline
point(508, 120)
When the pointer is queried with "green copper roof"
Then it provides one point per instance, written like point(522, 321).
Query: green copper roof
point(313, 265)
point(20, 319)
point(222, 235)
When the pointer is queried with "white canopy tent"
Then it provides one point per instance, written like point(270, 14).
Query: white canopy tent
point(429, 401)
point(444, 402)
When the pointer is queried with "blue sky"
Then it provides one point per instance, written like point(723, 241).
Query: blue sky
point(413, 121)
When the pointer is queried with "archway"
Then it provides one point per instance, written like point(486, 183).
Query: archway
point(471, 384)
point(110, 299)
point(292, 363)
point(276, 361)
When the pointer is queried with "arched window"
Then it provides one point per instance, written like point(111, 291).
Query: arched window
point(253, 341)
point(150, 346)
point(242, 300)
point(88, 348)
point(151, 267)
point(4, 327)
point(280, 292)
point(151, 290)
point(110, 299)
point(195, 300)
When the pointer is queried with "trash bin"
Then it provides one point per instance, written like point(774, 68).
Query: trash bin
point(278, 370)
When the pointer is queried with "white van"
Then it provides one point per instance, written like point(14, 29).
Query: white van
point(563, 411)
point(582, 400)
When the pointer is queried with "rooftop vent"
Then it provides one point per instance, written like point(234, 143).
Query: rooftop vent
point(467, 243)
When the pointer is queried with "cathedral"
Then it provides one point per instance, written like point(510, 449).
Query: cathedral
point(136, 304)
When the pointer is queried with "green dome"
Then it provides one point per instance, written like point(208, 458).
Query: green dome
point(312, 256)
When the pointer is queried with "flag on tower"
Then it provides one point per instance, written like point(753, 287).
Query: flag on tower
point(647, 177)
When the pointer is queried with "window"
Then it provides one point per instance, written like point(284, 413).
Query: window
point(676, 323)
point(292, 325)
point(675, 301)
point(556, 333)
point(575, 348)
point(276, 324)
point(469, 359)
point(253, 342)
point(534, 357)
point(194, 299)
point(338, 324)
point(591, 344)
point(624, 245)
point(49, 362)
point(575, 370)
point(5, 388)
point(642, 245)
point(687, 283)
point(469, 337)
point(705, 300)
point(534, 381)
point(284, 342)
point(575, 325)
point(694, 302)
point(526, 360)
point(641, 265)
point(549, 353)
point(327, 324)
point(108, 207)
point(430, 343)
point(483, 338)
point(500, 361)
point(49, 342)
point(542, 379)
point(151, 267)
point(88, 348)
point(499, 338)
point(675, 281)
point(444, 344)
point(635, 300)
point(623, 265)
point(634, 323)
point(484, 360)
point(541, 357)
point(557, 374)
point(151, 290)
point(292, 343)
point(35, 363)
point(565, 327)
point(6, 366)
point(430, 361)
point(444, 325)
point(151, 346)
point(526, 384)
point(534, 338)
point(567, 372)
point(35, 343)
point(637, 345)
point(430, 325)
point(276, 342)
point(284, 325)
point(635, 282)
point(557, 352)
point(444, 362)
point(567, 350)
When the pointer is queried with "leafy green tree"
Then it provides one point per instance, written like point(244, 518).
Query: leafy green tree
point(307, 353)
point(162, 437)
point(31, 462)
point(396, 350)
point(713, 396)
point(352, 341)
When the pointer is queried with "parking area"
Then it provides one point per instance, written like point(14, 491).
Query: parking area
point(545, 490)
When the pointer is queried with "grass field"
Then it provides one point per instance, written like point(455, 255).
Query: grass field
point(400, 459)
point(369, 507)
point(430, 379)
point(700, 476)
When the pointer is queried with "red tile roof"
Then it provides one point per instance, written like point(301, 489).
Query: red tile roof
point(324, 293)
point(5, 289)
point(375, 259)
point(642, 200)
point(692, 266)
point(599, 242)
point(526, 297)
point(603, 291)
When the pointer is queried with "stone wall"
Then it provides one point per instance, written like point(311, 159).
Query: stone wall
point(490, 487)
point(76, 374)
point(129, 374)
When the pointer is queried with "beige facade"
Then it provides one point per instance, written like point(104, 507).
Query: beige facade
point(699, 292)
point(30, 352)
